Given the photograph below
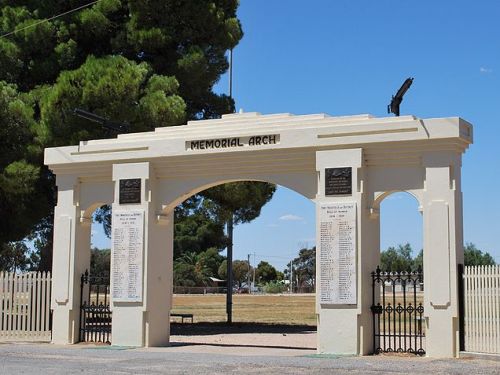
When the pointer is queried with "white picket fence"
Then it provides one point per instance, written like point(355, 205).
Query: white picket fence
point(482, 309)
point(25, 306)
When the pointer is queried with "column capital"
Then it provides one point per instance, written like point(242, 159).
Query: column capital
point(132, 170)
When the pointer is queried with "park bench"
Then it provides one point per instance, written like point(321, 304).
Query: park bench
point(182, 316)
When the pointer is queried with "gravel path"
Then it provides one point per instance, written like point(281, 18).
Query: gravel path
point(209, 359)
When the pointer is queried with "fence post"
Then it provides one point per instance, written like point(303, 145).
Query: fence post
point(461, 309)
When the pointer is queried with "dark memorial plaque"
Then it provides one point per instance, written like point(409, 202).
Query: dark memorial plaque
point(130, 191)
point(338, 181)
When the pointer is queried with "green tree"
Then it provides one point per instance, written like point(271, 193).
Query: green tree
point(22, 197)
point(265, 272)
point(475, 257)
point(100, 261)
point(211, 261)
point(112, 87)
point(418, 261)
point(196, 229)
point(222, 271)
point(186, 272)
point(240, 271)
point(397, 259)
point(185, 39)
point(303, 268)
point(274, 287)
point(148, 63)
point(238, 202)
point(14, 257)
point(192, 269)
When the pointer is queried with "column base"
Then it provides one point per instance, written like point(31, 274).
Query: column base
point(65, 326)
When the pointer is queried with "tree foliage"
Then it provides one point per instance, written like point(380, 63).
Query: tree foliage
point(400, 258)
point(14, 256)
point(475, 257)
point(114, 88)
point(397, 258)
point(185, 39)
point(196, 230)
point(192, 269)
point(241, 271)
point(149, 63)
point(239, 201)
point(303, 268)
point(265, 273)
point(22, 195)
point(274, 287)
point(100, 261)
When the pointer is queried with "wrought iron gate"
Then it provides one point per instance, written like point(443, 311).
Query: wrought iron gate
point(95, 315)
point(398, 322)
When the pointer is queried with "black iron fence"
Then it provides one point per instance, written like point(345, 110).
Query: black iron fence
point(95, 314)
point(398, 320)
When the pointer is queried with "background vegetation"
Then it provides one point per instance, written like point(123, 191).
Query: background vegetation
point(145, 63)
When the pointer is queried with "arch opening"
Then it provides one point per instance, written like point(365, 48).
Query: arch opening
point(398, 295)
point(273, 240)
point(400, 223)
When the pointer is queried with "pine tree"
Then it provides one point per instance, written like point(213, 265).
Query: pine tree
point(149, 63)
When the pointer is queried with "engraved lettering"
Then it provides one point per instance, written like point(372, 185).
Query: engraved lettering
point(256, 140)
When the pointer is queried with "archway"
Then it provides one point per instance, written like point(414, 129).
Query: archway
point(344, 163)
point(259, 309)
point(398, 295)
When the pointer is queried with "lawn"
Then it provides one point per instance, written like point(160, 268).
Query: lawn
point(277, 309)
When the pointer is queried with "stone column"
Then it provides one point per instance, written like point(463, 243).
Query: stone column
point(143, 321)
point(443, 250)
point(71, 257)
point(346, 328)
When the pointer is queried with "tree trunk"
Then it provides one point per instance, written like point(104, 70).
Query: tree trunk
point(229, 294)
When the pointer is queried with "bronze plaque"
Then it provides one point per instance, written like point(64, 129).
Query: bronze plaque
point(338, 181)
point(130, 191)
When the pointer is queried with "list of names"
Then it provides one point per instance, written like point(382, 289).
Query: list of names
point(338, 253)
point(127, 251)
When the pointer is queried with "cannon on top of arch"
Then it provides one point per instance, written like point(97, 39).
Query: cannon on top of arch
point(347, 165)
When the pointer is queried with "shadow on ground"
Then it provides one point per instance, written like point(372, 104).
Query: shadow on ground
point(198, 329)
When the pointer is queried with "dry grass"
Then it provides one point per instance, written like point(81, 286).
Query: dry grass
point(273, 309)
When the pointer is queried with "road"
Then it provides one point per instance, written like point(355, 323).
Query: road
point(217, 359)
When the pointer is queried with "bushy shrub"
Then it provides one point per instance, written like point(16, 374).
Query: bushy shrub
point(274, 287)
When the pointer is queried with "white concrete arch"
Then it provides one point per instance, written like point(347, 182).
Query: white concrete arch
point(374, 157)
point(380, 196)
point(171, 194)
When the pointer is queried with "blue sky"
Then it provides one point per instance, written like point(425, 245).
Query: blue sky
point(349, 57)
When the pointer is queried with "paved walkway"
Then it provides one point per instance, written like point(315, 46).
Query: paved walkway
point(213, 359)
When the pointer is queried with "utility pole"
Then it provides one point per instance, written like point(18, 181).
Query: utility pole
point(231, 73)
point(291, 278)
point(229, 268)
point(254, 266)
point(229, 293)
point(248, 275)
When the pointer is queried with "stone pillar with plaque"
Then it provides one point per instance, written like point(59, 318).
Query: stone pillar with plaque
point(141, 260)
point(341, 304)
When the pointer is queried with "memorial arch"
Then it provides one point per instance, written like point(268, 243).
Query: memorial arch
point(346, 165)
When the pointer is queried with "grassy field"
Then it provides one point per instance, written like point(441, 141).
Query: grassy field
point(270, 309)
point(275, 309)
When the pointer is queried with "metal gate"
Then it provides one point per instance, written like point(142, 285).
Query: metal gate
point(95, 315)
point(397, 310)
